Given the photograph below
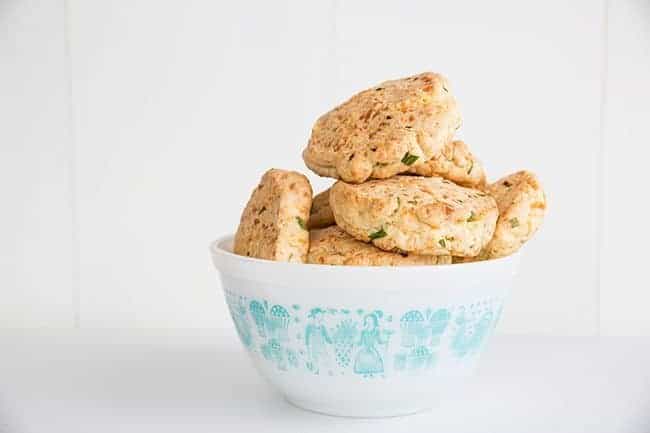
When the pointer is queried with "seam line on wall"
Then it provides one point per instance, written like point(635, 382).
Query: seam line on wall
point(336, 42)
point(72, 166)
point(600, 164)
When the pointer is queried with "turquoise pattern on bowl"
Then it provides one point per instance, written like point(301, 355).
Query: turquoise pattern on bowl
point(369, 343)
point(364, 341)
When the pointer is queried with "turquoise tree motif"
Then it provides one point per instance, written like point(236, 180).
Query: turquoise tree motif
point(438, 323)
point(421, 334)
point(317, 341)
point(238, 313)
point(278, 322)
point(413, 329)
point(369, 361)
point(258, 311)
point(273, 327)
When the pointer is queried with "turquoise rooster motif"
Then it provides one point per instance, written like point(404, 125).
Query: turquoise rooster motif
point(469, 337)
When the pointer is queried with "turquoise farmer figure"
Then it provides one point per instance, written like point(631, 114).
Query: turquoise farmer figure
point(368, 361)
point(317, 339)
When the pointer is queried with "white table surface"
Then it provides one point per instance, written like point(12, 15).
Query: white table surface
point(90, 382)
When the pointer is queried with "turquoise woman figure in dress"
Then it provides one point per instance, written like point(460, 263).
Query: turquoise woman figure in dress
point(368, 361)
point(317, 339)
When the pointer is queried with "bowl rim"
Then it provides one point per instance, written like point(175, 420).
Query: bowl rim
point(218, 246)
point(283, 273)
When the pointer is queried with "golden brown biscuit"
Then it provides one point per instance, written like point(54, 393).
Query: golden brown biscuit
point(333, 246)
point(420, 215)
point(321, 213)
point(273, 224)
point(522, 205)
point(456, 163)
point(385, 130)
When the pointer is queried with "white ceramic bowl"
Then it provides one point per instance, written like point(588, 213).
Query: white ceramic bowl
point(363, 341)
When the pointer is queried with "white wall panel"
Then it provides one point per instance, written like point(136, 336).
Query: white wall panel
point(625, 293)
point(527, 76)
point(36, 235)
point(179, 109)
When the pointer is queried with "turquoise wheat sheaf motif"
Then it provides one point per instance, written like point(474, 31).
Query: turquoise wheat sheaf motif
point(363, 342)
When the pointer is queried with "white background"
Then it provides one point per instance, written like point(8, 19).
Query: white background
point(132, 132)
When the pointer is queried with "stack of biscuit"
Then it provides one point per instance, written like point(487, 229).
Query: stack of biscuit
point(408, 192)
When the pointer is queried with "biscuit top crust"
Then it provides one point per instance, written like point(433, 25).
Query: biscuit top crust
point(384, 130)
point(333, 246)
point(273, 224)
point(424, 215)
point(434, 201)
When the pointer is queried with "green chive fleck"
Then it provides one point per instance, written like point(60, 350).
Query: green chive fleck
point(409, 158)
point(442, 243)
point(301, 223)
point(378, 234)
point(472, 217)
point(469, 170)
point(514, 222)
point(399, 203)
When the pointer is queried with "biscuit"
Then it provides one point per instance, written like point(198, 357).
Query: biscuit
point(456, 163)
point(333, 246)
point(522, 205)
point(273, 224)
point(321, 213)
point(385, 130)
point(420, 215)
